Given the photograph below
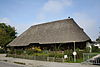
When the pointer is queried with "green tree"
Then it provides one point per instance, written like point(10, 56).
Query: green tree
point(7, 34)
point(98, 39)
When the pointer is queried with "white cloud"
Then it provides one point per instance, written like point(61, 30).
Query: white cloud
point(4, 20)
point(41, 16)
point(20, 28)
point(85, 20)
point(53, 7)
point(88, 23)
point(56, 5)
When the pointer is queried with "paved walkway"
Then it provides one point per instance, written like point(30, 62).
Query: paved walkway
point(7, 64)
point(34, 63)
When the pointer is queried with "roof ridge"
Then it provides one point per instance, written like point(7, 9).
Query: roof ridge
point(53, 21)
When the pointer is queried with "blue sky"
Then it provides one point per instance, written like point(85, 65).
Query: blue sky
point(24, 13)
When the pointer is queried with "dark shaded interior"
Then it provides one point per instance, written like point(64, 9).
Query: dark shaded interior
point(55, 46)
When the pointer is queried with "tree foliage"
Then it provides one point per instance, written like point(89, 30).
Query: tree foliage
point(7, 34)
point(98, 39)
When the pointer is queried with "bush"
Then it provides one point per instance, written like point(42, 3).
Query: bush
point(40, 54)
point(95, 49)
point(56, 55)
point(37, 49)
point(87, 49)
point(19, 52)
point(80, 53)
point(2, 51)
point(29, 51)
point(68, 52)
point(59, 55)
point(11, 52)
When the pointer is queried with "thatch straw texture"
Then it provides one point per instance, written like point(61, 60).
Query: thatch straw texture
point(61, 31)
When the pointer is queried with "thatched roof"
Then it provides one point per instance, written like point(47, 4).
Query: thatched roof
point(61, 31)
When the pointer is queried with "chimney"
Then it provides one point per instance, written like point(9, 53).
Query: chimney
point(69, 17)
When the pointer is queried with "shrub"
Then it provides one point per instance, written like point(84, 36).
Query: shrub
point(40, 54)
point(87, 50)
point(16, 52)
point(19, 52)
point(68, 52)
point(2, 51)
point(29, 51)
point(56, 55)
point(11, 52)
point(95, 49)
point(37, 49)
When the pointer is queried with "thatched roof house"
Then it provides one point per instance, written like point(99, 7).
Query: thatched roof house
point(61, 31)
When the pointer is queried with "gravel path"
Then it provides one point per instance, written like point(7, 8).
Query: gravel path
point(6, 64)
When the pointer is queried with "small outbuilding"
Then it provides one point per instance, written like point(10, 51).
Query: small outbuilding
point(61, 33)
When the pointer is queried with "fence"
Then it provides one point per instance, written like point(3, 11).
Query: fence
point(92, 58)
point(41, 58)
